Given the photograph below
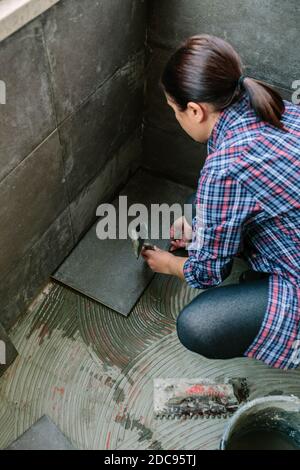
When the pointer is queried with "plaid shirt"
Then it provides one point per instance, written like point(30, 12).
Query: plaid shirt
point(248, 204)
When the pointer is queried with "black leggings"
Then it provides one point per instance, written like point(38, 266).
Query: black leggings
point(222, 321)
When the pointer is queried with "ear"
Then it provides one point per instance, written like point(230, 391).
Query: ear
point(196, 111)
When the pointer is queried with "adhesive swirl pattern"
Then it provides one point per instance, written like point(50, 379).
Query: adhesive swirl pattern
point(91, 371)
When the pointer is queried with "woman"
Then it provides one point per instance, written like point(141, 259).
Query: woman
point(248, 204)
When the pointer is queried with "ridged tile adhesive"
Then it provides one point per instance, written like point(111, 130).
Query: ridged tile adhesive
point(91, 371)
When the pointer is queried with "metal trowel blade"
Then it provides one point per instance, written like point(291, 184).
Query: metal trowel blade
point(138, 241)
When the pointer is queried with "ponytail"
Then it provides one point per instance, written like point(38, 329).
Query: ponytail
point(266, 102)
point(208, 69)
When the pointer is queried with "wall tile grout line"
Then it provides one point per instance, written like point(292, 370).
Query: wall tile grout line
point(50, 77)
point(107, 79)
point(22, 162)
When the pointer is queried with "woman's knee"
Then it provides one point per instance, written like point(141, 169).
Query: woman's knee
point(196, 332)
point(184, 327)
point(222, 322)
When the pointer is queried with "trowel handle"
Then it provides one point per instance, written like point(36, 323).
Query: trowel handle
point(148, 246)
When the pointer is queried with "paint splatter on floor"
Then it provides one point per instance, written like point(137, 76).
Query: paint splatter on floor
point(91, 371)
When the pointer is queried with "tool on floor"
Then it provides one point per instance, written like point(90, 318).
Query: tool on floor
point(139, 239)
point(192, 398)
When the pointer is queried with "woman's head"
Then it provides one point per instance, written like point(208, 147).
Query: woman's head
point(202, 78)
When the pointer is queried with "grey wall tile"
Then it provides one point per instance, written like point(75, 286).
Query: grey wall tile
point(285, 93)
point(87, 41)
point(175, 156)
point(92, 135)
point(28, 116)
point(168, 150)
point(31, 273)
point(157, 112)
point(113, 176)
point(87, 59)
point(265, 33)
point(32, 196)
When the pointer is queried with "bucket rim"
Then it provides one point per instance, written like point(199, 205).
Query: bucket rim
point(256, 401)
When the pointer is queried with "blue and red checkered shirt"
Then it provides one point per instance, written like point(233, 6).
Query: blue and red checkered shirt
point(248, 204)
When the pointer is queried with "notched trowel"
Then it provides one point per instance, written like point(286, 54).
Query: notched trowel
point(140, 240)
point(198, 398)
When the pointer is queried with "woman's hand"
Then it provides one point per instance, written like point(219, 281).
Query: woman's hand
point(163, 262)
point(180, 234)
point(158, 260)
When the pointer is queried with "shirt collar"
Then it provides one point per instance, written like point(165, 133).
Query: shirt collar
point(226, 120)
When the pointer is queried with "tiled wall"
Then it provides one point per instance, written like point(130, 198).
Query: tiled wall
point(266, 34)
point(70, 133)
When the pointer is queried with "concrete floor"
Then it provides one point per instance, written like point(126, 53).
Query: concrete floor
point(91, 371)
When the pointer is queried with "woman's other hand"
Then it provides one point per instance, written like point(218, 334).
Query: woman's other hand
point(180, 234)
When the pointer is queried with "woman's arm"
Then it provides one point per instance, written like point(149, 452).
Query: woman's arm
point(226, 204)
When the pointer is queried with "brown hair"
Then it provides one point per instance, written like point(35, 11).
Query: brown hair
point(207, 69)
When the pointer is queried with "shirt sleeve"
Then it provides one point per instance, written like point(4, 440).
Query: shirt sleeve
point(223, 205)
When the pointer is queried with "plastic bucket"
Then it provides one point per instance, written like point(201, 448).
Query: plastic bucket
point(267, 423)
